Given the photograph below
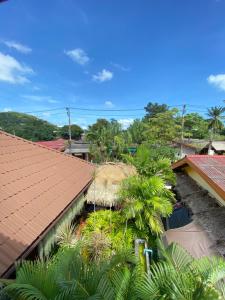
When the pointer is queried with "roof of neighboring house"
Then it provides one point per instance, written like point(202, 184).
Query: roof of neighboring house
point(191, 237)
point(205, 209)
point(78, 147)
point(217, 145)
point(107, 179)
point(196, 144)
point(56, 144)
point(37, 185)
point(210, 167)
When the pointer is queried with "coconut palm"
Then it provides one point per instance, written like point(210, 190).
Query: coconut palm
point(215, 121)
point(180, 276)
point(146, 200)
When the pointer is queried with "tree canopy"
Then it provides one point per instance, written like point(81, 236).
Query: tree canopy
point(152, 109)
point(27, 126)
point(76, 132)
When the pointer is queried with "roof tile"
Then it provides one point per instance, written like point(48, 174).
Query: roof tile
point(211, 167)
point(37, 184)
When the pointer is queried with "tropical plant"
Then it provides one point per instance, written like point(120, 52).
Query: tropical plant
point(108, 140)
point(153, 160)
point(66, 235)
point(111, 229)
point(146, 200)
point(136, 130)
point(70, 276)
point(179, 276)
point(215, 118)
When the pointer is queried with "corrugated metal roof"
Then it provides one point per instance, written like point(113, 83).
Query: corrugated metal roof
point(36, 185)
point(210, 167)
point(59, 144)
point(219, 146)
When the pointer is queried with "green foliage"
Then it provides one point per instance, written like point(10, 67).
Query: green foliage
point(136, 130)
point(216, 115)
point(163, 127)
point(76, 132)
point(180, 276)
point(146, 200)
point(66, 235)
point(27, 126)
point(195, 126)
point(108, 140)
point(113, 231)
point(62, 232)
point(151, 160)
point(71, 276)
point(152, 109)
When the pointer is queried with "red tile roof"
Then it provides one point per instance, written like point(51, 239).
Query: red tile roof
point(209, 167)
point(36, 185)
point(56, 144)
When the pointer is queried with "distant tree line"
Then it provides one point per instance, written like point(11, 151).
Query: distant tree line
point(160, 124)
point(35, 129)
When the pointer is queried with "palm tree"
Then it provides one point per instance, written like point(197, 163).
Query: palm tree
point(70, 276)
point(215, 121)
point(180, 276)
point(146, 200)
point(150, 161)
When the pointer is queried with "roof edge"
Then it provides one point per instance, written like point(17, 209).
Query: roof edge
point(212, 184)
point(44, 147)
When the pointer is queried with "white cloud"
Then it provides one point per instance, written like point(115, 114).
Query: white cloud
point(53, 101)
point(120, 67)
point(104, 75)
point(109, 104)
point(78, 55)
point(217, 81)
point(7, 109)
point(46, 114)
point(12, 71)
point(17, 46)
point(38, 98)
point(126, 122)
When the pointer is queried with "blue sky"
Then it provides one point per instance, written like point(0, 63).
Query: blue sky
point(110, 55)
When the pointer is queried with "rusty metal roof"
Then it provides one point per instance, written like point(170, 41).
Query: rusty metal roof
point(209, 167)
point(36, 185)
point(59, 144)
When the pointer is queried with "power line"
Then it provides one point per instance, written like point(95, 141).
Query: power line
point(95, 109)
point(44, 110)
point(91, 109)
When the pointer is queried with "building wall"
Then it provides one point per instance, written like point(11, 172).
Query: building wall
point(201, 182)
point(48, 242)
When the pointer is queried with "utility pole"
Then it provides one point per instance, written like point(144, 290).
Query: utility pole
point(69, 128)
point(182, 129)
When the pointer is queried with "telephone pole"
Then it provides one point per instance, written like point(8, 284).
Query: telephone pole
point(69, 124)
point(182, 129)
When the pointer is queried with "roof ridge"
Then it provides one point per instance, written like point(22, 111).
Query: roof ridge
point(45, 147)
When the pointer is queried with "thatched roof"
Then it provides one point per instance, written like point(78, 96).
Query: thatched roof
point(205, 209)
point(104, 188)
